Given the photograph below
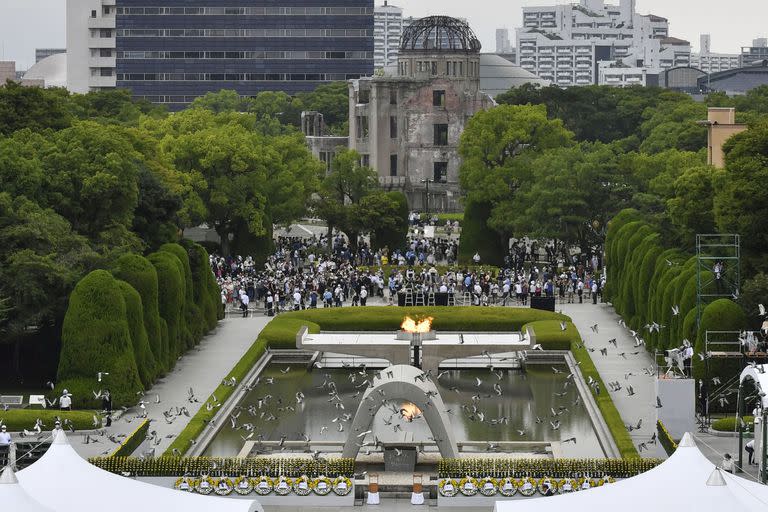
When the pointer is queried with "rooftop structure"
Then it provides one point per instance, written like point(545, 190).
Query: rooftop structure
point(710, 62)
point(388, 28)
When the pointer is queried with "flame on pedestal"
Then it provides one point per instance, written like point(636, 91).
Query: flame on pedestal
point(422, 326)
point(409, 411)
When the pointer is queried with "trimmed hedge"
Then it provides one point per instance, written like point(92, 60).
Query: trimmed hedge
point(539, 468)
point(192, 326)
point(204, 287)
point(665, 439)
point(96, 338)
point(445, 318)
point(551, 337)
point(131, 443)
point(170, 301)
point(145, 361)
point(291, 467)
point(729, 424)
point(142, 276)
point(721, 315)
point(19, 419)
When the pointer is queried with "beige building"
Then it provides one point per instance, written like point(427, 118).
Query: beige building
point(408, 126)
point(722, 125)
point(7, 71)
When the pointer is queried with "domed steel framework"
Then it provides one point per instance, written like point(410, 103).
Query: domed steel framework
point(441, 33)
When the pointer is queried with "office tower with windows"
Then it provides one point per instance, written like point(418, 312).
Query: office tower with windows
point(388, 29)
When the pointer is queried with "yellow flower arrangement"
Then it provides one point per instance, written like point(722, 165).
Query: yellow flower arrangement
point(542, 485)
point(223, 486)
point(567, 485)
point(527, 486)
point(507, 486)
point(185, 484)
point(468, 486)
point(263, 485)
point(342, 485)
point(448, 487)
point(204, 485)
point(243, 485)
point(488, 486)
point(301, 486)
point(322, 485)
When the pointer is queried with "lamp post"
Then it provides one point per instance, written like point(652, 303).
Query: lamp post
point(427, 181)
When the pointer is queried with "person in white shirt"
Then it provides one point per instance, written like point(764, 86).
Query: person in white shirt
point(5, 437)
point(476, 258)
point(363, 295)
point(65, 402)
point(727, 463)
point(245, 300)
point(749, 448)
point(296, 300)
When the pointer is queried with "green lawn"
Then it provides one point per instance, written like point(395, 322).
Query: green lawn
point(281, 333)
point(19, 419)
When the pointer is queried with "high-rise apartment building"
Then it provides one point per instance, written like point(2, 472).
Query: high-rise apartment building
point(597, 43)
point(503, 44)
point(173, 51)
point(710, 62)
point(91, 45)
point(387, 31)
point(44, 53)
point(757, 54)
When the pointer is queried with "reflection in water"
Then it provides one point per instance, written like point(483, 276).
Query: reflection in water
point(508, 405)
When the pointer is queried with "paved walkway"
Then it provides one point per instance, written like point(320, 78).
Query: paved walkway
point(614, 367)
point(202, 369)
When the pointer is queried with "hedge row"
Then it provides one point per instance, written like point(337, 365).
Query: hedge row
point(131, 443)
point(291, 467)
point(665, 438)
point(134, 322)
point(554, 468)
point(729, 424)
point(19, 419)
point(647, 280)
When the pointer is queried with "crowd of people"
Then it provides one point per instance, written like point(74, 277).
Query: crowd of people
point(304, 273)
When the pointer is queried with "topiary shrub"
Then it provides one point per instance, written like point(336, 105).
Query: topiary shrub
point(204, 287)
point(142, 276)
point(729, 424)
point(145, 361)
point(170, 301)
point(96, 338)
point(720, 315)
point(192, 328)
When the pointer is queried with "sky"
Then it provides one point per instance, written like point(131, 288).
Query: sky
point(29, 24)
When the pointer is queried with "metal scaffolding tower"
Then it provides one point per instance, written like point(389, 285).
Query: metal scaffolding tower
point(718, 269)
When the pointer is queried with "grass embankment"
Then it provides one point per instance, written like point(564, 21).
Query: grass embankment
point(729, 424)
point(442, 217)
point(549, 334)
point(19, 419)
point(133, 441)
point(280, 333)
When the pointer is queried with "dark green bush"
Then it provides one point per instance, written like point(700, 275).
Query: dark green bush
point(142, 276)
point(729, 424)
point(720, 315)
point(145, 361)
point(170, 301)
point(191, 330)
point(476, 236)
point(96, 338)
point(204, 287)
point(665, 439)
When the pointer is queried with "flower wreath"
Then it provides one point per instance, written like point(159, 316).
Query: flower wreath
point(527, 486)
point(281, 485)
point(204, 485)
point(223, 486)
point(488, 486)
point(301, 486)
point(448, 487)
point(184, 484)
point(605, 480)
point(342, 485)
point(567, 485)
point(582, 481)
point(263, 485)
point(542, 487)
point(243, 485)
point(468, 486)
point(507, 486)
point(322, 485)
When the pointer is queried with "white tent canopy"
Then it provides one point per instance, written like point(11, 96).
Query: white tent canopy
point(686, 481)
point(64, 482)
point(759, 375)
point(13, 497)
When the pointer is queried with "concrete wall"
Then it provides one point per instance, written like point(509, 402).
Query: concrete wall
point(7, 71)
point(678, 397)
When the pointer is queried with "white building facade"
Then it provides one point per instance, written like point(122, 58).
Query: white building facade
point(91, 46)
point(710, 62)
point(388, 25)
point(597, 43)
